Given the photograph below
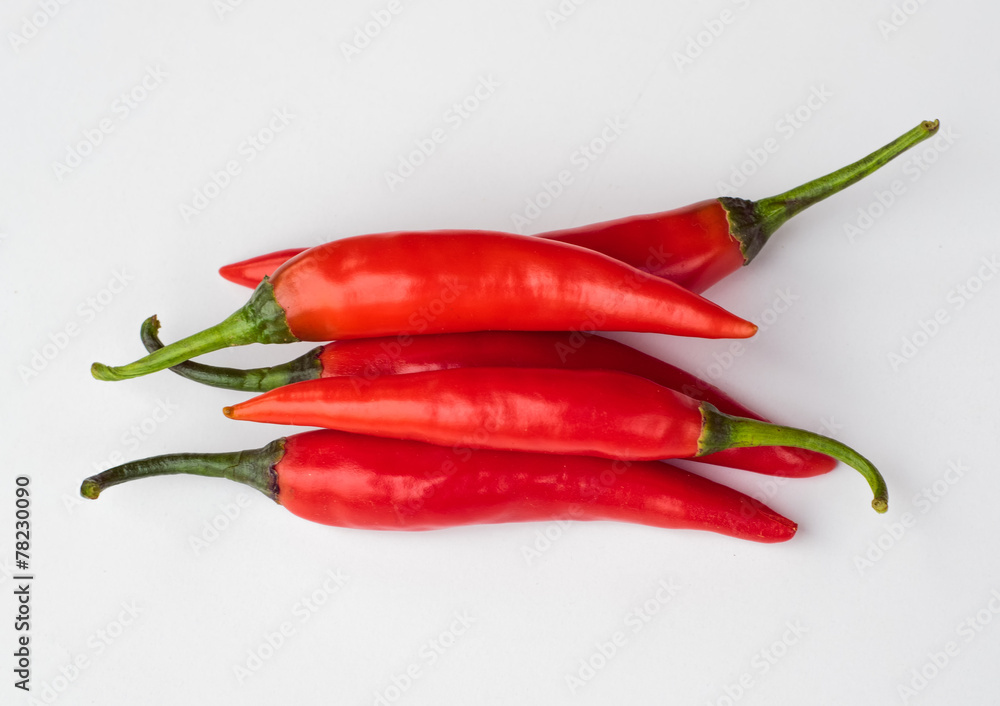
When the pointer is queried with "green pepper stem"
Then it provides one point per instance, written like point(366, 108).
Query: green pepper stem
point(753, 222)
point(722, 431)
point(260, 320)
point(305, 367)
point(253, 468)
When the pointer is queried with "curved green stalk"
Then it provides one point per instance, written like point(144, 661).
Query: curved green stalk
point(753, 222)
point(253, 468)
point(305, 367)
point(260, 320)
point(722, 431)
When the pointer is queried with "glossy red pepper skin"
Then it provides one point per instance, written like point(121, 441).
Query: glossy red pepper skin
point(691, 246)
point(363, 482)
point(366, 359)
point(600, 413)
point(405, 284)
point(702, 251)
point(368, 483)
point(250, 272)
point(455, 281)
point(694, 246)
point(520, 409)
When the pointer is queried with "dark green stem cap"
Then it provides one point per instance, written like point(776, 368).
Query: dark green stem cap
point(260, 320)
point(253, 468)
point(722, 431)
point(305, 367)
point(753, 222)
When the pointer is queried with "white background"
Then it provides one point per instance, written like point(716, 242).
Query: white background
point(871, 599)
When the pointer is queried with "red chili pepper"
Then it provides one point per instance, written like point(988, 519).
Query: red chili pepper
point(695, 246)
point(250, 272)
point(364, 482)
point(587, 412)
point(366, 359)
point(444, 282)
